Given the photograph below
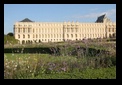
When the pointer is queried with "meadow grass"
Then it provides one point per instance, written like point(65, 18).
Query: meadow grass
point(45, 66)
point(71, 61)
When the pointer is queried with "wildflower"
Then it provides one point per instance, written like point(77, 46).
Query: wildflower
point(7, 66)
point(28, 67)
point(30, 71)
point(12, 54)
point(15, 66)
point(64, 69)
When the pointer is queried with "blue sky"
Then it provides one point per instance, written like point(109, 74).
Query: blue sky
point(55, 13)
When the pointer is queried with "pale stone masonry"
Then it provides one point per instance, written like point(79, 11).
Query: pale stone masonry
point(27, 31)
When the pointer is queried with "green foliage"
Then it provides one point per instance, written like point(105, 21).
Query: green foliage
point(47, 66)
point(68, 60)
point(10, 34)
point(10, 40)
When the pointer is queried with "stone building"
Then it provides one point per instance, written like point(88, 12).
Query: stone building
point(27, 31)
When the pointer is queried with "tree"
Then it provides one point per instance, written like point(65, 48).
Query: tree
point(10, 34)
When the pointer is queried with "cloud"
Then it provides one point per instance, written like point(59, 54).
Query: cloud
point(111, 12)
point(94, 15)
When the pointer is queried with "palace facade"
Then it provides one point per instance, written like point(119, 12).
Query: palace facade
point(27, 31)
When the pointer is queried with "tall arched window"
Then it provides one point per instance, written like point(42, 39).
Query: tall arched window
point(113, 30)
point(18, 30)
point(72, 29)
point(109, 29)
point(67, 35)
point(68, 29)
point(110, 35)
point(23, 30)
point(23, 36)
point(76, 35)
point(28, 36)
point(28, 30)
point(71, 35)
point(18, 36)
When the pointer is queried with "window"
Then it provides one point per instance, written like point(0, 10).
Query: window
point(113, 30)
point(110, 35)
point(28, 36)
point(68, 29)
point(109, 30)
point(76, 29)
point(71, 35)
point(33, 36)
point(72, 29)
point(23, 36)
point(28, 30)
point(18, 36)
point(18, 30)
point(67, 35)
point(23, 30)
point(76, 35)
point(33, 30)
point(48, 35)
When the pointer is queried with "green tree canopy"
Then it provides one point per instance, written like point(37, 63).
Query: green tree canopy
point(10, 34)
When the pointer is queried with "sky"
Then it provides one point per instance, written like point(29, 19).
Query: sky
point(56, 13)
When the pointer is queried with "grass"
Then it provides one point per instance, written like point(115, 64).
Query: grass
point(45, 66)
point(101, 73)
point(72, 62)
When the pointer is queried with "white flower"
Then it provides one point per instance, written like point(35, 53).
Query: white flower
point(15, 65)
point(30, 71)
point(28, 66)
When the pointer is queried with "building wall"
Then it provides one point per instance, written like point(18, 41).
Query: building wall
point(60, 31)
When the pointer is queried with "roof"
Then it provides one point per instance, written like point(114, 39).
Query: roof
point(100, 18)
point(26, 20)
